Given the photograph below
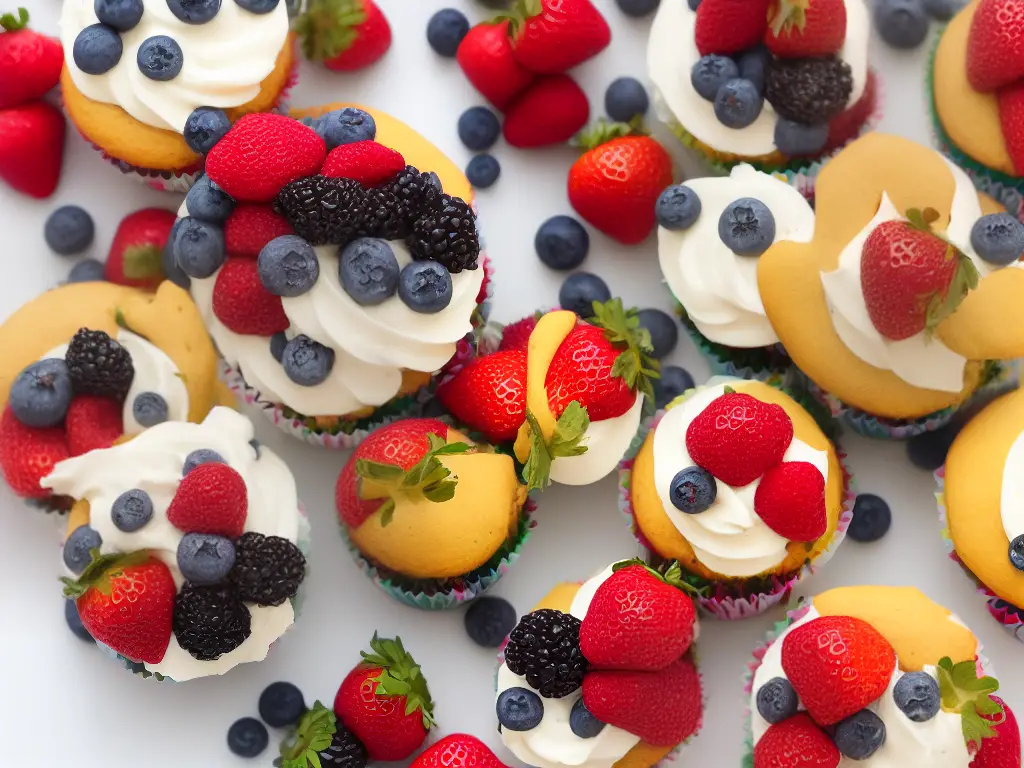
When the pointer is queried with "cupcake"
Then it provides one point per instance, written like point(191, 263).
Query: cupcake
point(914, 689)
point(432, 518)
point(150, 90)
point(203, 525)
point(87, 363)
point(709, 255)
point(334, 277)
point(778, 85)
point(894, 350)
point(583, 683)
point(737, 482)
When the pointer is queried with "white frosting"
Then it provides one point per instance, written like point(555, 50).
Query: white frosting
point(672, 52)
point(153, 462)
point(935, 743)
point(225, 60)
point(729, 537)
point(154, 372)
point(1011, 502)
point(717, 287)
point(607, 442)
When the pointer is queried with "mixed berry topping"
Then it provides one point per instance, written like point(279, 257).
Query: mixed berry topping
point(210, 621)
point(678, 207)
point(268, 569)
point(98, 365)
point(544, 648)
point(519, 709)
point(747, 227)
point(97, 49)
point(809, 91)
point(160, 58)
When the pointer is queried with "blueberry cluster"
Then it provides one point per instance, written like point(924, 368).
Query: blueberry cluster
point(746, 225)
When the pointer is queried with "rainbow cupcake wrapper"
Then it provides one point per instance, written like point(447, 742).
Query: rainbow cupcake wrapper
point(729, 602)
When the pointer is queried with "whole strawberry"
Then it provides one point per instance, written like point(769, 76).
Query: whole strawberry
point(551, 36)
point(802, 29)
point(30, 63)
point(32, 147)
point(251, 226)
point(796, 741)
point(135, 254)
point(730, 26)
point(458, 750)
point(242, 303)
point(1003, 748)
point(369, 163)
point(344, 35)
point(92, 422)
point(790, 499)
point(1011, 119)
point(551, 111)
point(28, 455)
point(211, 498)
point(489, 395)
point(485, 56)
point(517, 335)
point(995, 45)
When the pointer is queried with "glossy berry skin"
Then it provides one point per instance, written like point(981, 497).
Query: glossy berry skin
point(579, 292)
point(998, 238)
point(368, 271)
point(485, 56)
point(479, 128)
point(69, 230)
point(149, 409)
point(41, 394)
point(199, 457)
point(281, 704)
point(519, 709)
point(258, 6)
point(871, 518)
point(738, 103)
point(917, 696)
point(638, 8)
point(204, 128)
point(562, 243)
point(483, 171)
point(132, 510)
point(75, 622)
point(160, 58)
point(288, 266)
point(902, 24)
point(347, 126)
point(425, 286)
point(711, 72)
point(194, 11)
point(678, 208)
point(625, 99)
point(378, 721)
point(97, 49)
point(796, 139)
point(122, 15)
point(489, 620)
point(445, 31)
point(77, 545)
point(928, 451)
point(860, 735)
point(753, 65)
point(943, 10)
point(582, 723)
point(205, 558)
point(693, 490)
point(663, 329)
point(208, 202)
point(307, 362)
point(747, 227)
point(87, 271)
point(1016, 552)
point(199, 247)
point(248, 737)
point(776, 700)
point(796, 741)
point(671, 384)
point(457, 750)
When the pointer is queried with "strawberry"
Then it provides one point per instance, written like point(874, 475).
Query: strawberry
point(30, 63)
point(790, 499)
point(837, 665)
point(135, 254)
point(796, 741)
point(485, 55)
point(801, 29)
point(28, 455)
point(489, 395)
point(458, 750)
point(581, 370)
point(250, 227)
point(369, 163)
point(663, 708)
point(616, 183)
point(211, 498)
point(730, 26)
point(242, 303)
point(385, 702)
point(637, 620)
point(1002, 750)
point(995, 44)
point(261, 153)
point(551, 36)
point(1011, 118)
point(32, 147)
point(738, 438)
point(550, 111)
point(127, 603)
point(345, 35)
point(912, 279)
point(517, 335)
point(92, 422)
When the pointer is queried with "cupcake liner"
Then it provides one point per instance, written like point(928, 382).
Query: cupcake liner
point(747, 597)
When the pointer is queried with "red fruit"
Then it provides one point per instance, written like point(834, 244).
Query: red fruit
point(1003, 749)
point(837, 665)
point(738, 438)
point(551, 36)
point(790, 499)
point(459, 750)
point(796, 743)
point(250, 227)
point(846, 126)
point(28, 455)
point(242, 303)
point(995, 45)
point(730, 26)
point(32, 147)
point(485, 55)
point(30, 63)
point(581, 370)
point(211, 498)
point(517, 335)
point(261, 153)
point(551, 111)
point(92, 423)
point(367, 162)
point(135, 254)
point(1011, 118)
point(636, 621)
point(344, 35)
point(489, 395)
point(800, 29)
point(663, 708)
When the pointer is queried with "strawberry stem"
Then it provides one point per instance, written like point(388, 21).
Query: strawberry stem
point(142, 261)
point(517, 16)
point(970, 696)
point(328, 28)
point(314, 733)
point(400, 675)
point(603, 131)
point(100, 571)
point(634, 365)
point(12, 23)
point(566, 441)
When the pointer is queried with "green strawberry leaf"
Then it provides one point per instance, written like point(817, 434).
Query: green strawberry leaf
point(963, 692)
point(387, 512)
point(789, 15)
point(517, 16)
point(729, 391)
point(373, 470)
point(100, 571)
point(314, 733)
point(400, 675)
point(11, 23)
point(567, 440)
point(965, 279)
point(328, 28)
point(603, 131)
point(634, 365)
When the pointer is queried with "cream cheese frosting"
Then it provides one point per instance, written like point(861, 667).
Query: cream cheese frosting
point(607, 442)
point(718, 288)
point(153, 461)
point(225, 60)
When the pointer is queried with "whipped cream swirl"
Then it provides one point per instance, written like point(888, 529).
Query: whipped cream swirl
point(607, 442)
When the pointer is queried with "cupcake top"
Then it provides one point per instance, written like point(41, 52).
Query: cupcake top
point(160, 60)
point(205, 517)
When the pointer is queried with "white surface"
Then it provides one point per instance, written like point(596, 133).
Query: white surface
point(96, 715)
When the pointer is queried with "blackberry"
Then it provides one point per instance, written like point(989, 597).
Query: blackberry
point(346, 751)
point(387, 215)
point(414, 193)
point(809, 91)
point(99, 365)
point(544, 648)
point(447, 234)
point(268, 569)
point(323, 210)
point(210, 621)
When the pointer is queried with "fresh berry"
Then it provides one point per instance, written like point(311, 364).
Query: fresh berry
point(730, 26)
point(204, 558)
point(1003, 749)
point(281, 704)
point(860, 735)
point(208, 202)
point(519, 709)
point(626, 99)
point(998, 238)
point(32, 147)
point(871, 518)
point(368, 271)
point(210, 621)
point(74, 622)
point(582, 723)
point(307, 362)
point(136, 253)
point(367, 162)
point(671, 384)
point(798, 139)
point(87, 271)
point(458, 750)
point(489, 395)
point(711, 72)
point(268, 569)
point(796, 739)
point(30, 63)
point(809, 91)
point(27, 455)
point(917, 696)
point(97, 49)
point(544, 648)
point(288, 266)
point(483, 171)
point(580, 291)
point(489, 620)
point(928, 450)
point(425, 287)
point(150, 409)
point(199, 457)
point(92, 423)
point(747, 227)
point(848, 124)
point(199, 247)
point(194, 11)
point(160, 57)
point(242, 303)
point(738, 103)
point(582, 371)
point(445, 31)
point(411, 195)
point(485, 56)
point(132, 510)
point(447, 234)
point(802, 29)
point(677, 208)
point(1016, 552)
point(551, 36)
point(754, 66)
point(639, 8)
point(995, 46)
point(69, 229)
point(344, 751)
point(776, 700)
point(99, 365)
point(78, 548)
point(663, 331)
point(248, 737)
point(250, 227)
point(903, 24)
point(551, 111)
point(562, 243)
point(212, 498)
point(345, 35)
point(204, 127)
point(790, 500)
point(693, 490)
point(479, 129)
point(323, 210)
point(41, 394)
point(347, 126)
point(943, 10)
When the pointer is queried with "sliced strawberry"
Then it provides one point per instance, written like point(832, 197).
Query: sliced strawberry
point(790, 499)
point(796, 742)
point(92, 422)
point(250, 227)
point(242, 303)
point(367, 162)
point(489, 395)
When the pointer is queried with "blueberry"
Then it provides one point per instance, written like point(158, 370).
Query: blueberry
point(169, 258)
point(797, 139)
point(738, 103)
point(87, 271)
point(479, 128)
point(582, 722)
point(998, 238)
point(77, 548)
point(74, 621)
point(943, 10)
point(317, 124)
point(693, 490)
point(694, 4)
point(483, 170)
point(277, 344)
point(41, 393)
point(69, 230)
point(194, 11)
point(97, 49)
point(1017, 553)
point(625, 99)
point(248, 737)
point(445, 31)
point(753, 66)
point(638, 8)
point(580, 290)
point(131, 510)
point(199, 247)
point(288, 266)
point(871, 518)
point(307, 362)
point(489, 620)
point(776, 700)
point(712, 72)
point(425, 287)
point(901, 23)
point(160, 57)
point(204, 128)
point(149, 409)
point(663, 329)
point(205, 558)
point(928, 450)
point(255, 445)
point(562, 243)
point(258, 6)
point(368, 271)
point(860, 735)
point(122, 15)
point(747, 227)
point(208, 202)
point(678, 207)
point(199, 457)
point(519, 709)
point(917, 696)
point(672, 382)
point(281, 704)
point(347, 126)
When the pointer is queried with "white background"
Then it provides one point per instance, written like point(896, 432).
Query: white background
point(61, 703)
